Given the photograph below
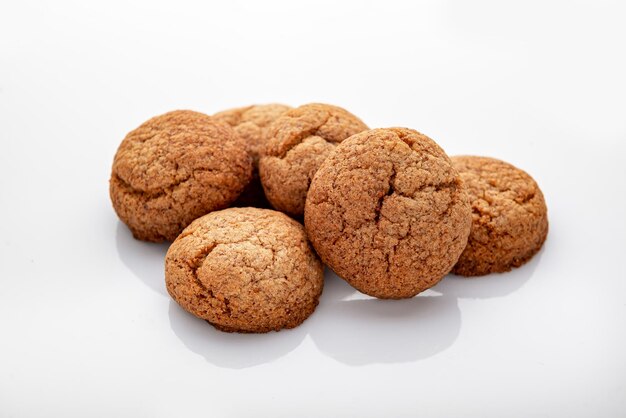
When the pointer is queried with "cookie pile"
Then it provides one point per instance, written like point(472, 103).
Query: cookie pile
point(386, 209)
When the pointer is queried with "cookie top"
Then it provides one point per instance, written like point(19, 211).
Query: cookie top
point(175, 168)
point(509, 216)
point(388, 213)
point(297, 144)
point(250, 122)
point(245, 270)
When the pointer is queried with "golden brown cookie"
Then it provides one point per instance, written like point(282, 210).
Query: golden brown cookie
point(245, 270)
point(509, 216)
point(175, 168)
point(250, 123)
point(388, 213)
point(297, 144)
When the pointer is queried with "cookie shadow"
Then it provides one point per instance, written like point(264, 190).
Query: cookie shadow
point(146, 260)
point(365, 331)
point(352, 331)
point(490, 286)
point(231, 350)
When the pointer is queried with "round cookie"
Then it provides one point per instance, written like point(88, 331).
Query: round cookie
point(509, 216)
point(245, 270)
point(175, 168)
point(297, 144)
point(388, 213)
point(250, 123)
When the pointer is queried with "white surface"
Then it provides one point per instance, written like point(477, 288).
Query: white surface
point(86, 328)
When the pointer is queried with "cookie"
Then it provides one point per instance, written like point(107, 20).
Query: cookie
point(297, 144)
point(509, 216)
point(388, 213)
point(175, 168)
point(250, 123)
point(245, 270)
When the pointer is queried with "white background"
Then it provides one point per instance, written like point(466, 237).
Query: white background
point(86, 327)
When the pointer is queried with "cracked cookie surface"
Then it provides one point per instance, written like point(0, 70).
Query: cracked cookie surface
point(251, 122)
point(388, 213)
point(174, 168)
point(297, 144)
point(509, 216)
point(245, 270)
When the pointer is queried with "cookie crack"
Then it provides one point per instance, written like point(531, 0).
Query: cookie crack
point(437, 187)
point(197, 262)
point(403, 136)
point(390, 191)
point(525, 199)
point(389, 254)
point(300, 137)
point(194, 265)
point(151, 195)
